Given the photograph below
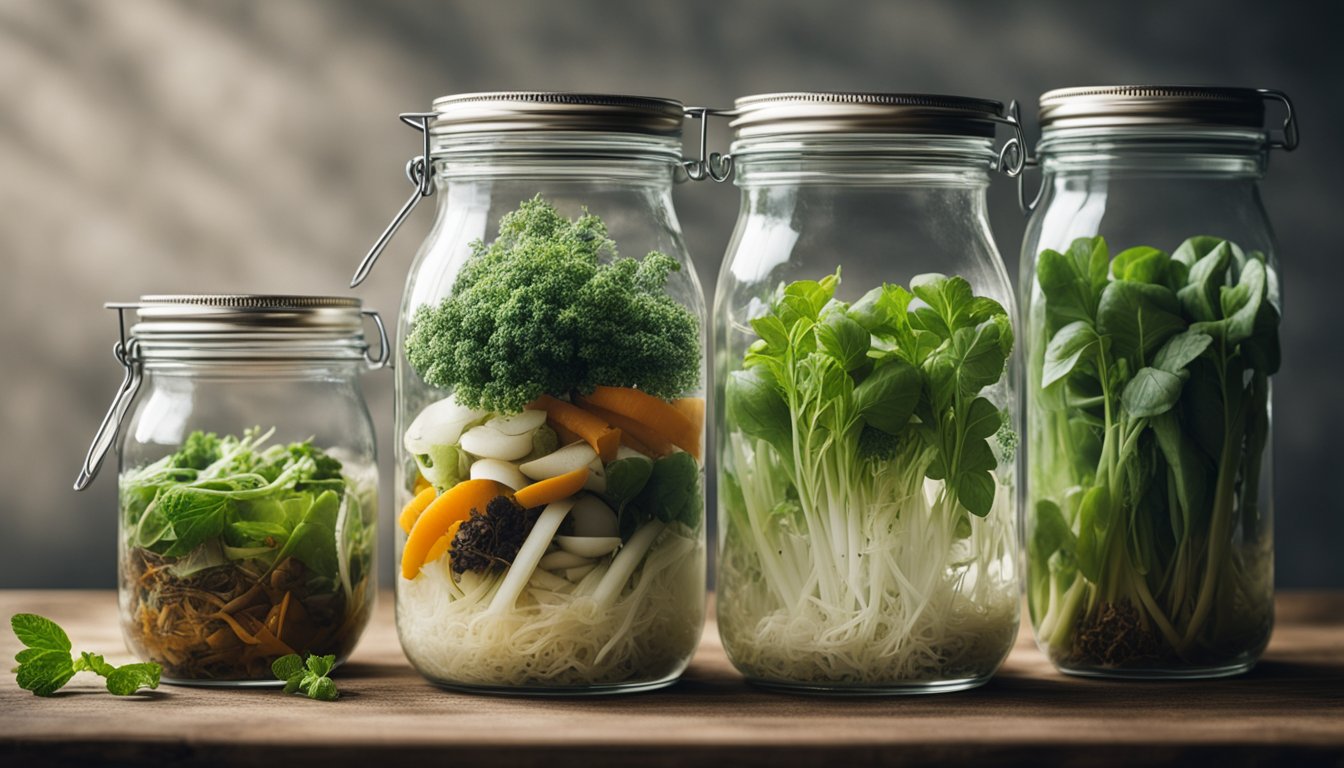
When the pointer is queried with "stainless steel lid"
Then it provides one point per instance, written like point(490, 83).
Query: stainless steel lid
point(555, 111)
point(249, 326)
point(1153, 105)
point(776, 114)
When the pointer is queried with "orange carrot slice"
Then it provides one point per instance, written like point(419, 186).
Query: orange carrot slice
point(651, 411)
point(692, 408)
point(635, 434)
point(551, 489)
point(453, 505)
point(415, 507)
point(569, 420)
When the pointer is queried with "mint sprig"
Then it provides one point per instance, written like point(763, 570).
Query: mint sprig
point(46, 663)
point(308, 678)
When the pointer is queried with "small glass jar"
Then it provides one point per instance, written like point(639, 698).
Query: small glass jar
point(1150, 288)
point(864, 367)
point(550, 411)
point(248, 483)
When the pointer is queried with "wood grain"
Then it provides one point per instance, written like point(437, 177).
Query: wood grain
point(1290, 709)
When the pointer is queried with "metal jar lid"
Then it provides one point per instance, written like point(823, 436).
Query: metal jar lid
point(236, 329)
point(555, 111)
point(777, 114)
point(1163, 106)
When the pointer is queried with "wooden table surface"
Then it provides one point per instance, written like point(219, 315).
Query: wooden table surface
point(1290, 709)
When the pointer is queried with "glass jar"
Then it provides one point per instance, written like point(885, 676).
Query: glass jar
point(550, 404)
point(248, 482)
point(863, 359)
point(1151, 294)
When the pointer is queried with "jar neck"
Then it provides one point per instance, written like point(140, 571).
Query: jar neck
point(572, 155)
point(865, 160)
point(1213, 154)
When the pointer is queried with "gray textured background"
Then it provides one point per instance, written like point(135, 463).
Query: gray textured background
point(253, 146)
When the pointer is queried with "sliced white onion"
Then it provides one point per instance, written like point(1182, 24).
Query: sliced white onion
point(490, 443)
point(592, 517)
point(440, 423)
point(523, 423)
point(597, 476)
point(499, 471)
point(589, 546)
point(561, 462)
point(574, 574)
point(626, 452)
point(559, 560)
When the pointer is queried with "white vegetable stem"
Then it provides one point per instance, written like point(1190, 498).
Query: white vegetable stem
point(625, 562)
point(529, 555)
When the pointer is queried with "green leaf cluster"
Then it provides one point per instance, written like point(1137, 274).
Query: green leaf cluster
point(309, 678)
point(1152, 392)
point(222, 499)
point(549, 308)
point(46, 663)
point(668, 489)
point(899, 373)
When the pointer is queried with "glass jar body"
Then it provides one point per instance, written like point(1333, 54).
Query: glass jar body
point(848, 561)
point(611, 597)
point(1149, 504)
point(245, 542)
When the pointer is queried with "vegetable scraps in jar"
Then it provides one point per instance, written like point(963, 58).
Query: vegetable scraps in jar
point(237, 553)
point(555, 539)
point(1152, 391)
point(868, 529)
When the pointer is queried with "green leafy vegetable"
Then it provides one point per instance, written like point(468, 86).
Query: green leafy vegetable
point(46, 663)
point(549, 308)
point(309, 678)
point(855, 430)
point(238, 551)
point(1149, 419)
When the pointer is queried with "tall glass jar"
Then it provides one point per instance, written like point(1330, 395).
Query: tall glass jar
point(864, 363)
point(550, 403)
point(1151, 293)
point(248, 483)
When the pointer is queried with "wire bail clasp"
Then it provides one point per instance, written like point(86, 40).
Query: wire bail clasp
point(711, 165)
point(1013, 155)
point(417, 171)
point(1290, 130)
point(127, 353)
point(384, 358)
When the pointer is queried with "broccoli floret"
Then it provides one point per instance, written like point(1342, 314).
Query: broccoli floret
point(540, 311)
point(490, 541)
point(199, 450)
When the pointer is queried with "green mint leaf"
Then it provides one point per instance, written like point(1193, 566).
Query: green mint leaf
point(320, 665)
point(286, 667)
point(94, 663)
point(323, 689)
point(293, 684)
point(126, 680)
point(45, 673)
point(39, 632)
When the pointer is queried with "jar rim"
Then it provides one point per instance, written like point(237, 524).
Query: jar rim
point(854, 112)
point(241, 327)
point(555, 111)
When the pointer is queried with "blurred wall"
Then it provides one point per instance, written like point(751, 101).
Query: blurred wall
point(253, 146)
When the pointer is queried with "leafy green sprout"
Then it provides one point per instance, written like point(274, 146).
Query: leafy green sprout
point(1152, 386)
point(310, 678)
point(46, 662)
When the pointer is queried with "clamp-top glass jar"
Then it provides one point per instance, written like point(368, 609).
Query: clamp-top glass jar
point(248, 482)
point(550, 401)
point(1151, 292)
point(863, 361)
